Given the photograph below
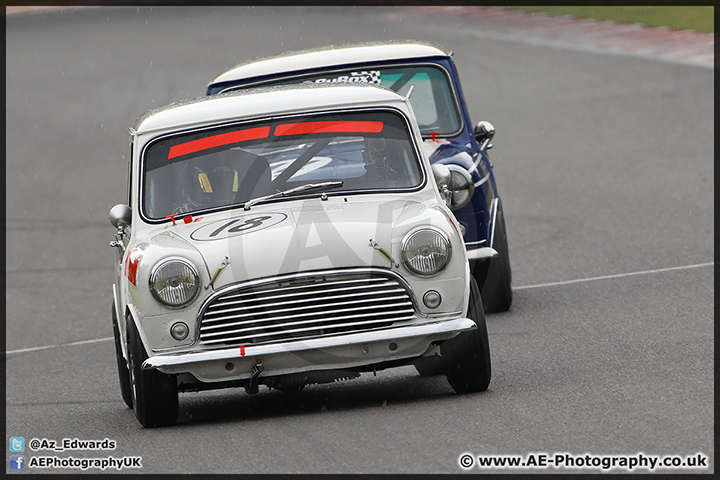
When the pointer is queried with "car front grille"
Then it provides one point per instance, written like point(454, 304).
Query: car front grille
point(303, 307)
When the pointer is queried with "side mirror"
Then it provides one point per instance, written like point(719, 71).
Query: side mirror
point(441, 174)
point(120, 216)
point(484, 132)
point(442, 178)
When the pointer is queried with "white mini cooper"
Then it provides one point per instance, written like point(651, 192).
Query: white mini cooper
point(284, 237)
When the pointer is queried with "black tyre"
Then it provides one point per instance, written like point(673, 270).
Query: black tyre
point(154, 394)
point(123, 373)
point(467, 356)
point(496, 291)
point(429, 366)
point(292, 389)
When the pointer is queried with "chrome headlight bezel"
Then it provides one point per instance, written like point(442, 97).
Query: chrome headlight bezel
point(461, 182)
point(409, 253)
point(188, 276)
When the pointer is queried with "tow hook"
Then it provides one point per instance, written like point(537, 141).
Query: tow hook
point(257, 368)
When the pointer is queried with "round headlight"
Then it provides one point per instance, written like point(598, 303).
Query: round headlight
point(461, 186)
point(174, 283)
point(426, 252)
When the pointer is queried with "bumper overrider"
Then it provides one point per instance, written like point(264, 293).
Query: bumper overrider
point(328, 353)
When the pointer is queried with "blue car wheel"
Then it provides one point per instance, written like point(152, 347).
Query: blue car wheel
point(496, 291)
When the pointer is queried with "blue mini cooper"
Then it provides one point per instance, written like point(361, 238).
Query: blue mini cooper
point(426, 75)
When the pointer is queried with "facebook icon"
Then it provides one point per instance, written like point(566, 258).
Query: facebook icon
point(17, 462)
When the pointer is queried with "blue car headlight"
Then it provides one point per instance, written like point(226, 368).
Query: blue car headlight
point(461, 185)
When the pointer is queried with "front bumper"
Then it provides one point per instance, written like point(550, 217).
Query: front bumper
point(327, 353)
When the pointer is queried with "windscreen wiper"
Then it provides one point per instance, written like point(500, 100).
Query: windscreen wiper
point(292, 191)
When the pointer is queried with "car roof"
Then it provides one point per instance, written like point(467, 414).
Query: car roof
point(333, 56)
point(268, 101)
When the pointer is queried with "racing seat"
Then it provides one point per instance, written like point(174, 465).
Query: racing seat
point(231, 176)
point(255, 180)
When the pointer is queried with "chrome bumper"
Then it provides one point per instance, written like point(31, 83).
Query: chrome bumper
point(481, 253)
point(327, 353)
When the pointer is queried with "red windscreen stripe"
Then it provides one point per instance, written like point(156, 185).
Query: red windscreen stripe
point(218, 140)
point(328, 127)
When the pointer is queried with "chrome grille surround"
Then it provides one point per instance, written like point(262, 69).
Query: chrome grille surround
point(305, 305)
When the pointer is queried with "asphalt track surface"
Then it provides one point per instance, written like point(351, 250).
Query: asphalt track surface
point(605, 166)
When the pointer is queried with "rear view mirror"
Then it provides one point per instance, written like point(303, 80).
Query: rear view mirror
point(120, 216)
point(442, 178)
point(484, 132)
point(441, 174)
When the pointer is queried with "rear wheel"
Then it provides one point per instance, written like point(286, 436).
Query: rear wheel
point(496, 290)
point(154, 394)
point(467, 356)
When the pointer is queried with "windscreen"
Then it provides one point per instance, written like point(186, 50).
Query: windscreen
point(428, 89)
point(228, 166)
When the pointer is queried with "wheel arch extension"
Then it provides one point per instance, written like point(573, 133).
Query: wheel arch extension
point(493, 211)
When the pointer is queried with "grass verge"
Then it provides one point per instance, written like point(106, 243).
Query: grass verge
point(697, 18)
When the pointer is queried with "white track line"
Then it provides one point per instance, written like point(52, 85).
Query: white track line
point(525, 287)
point(620, 275)
point(82, 342)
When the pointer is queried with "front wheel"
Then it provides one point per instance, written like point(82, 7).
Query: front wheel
point(154, 394)
point(496, 291)
point(430, 366)
point(467, 356)
point(123, 373)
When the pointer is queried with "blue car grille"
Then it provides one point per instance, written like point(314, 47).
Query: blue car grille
point(305, 307)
